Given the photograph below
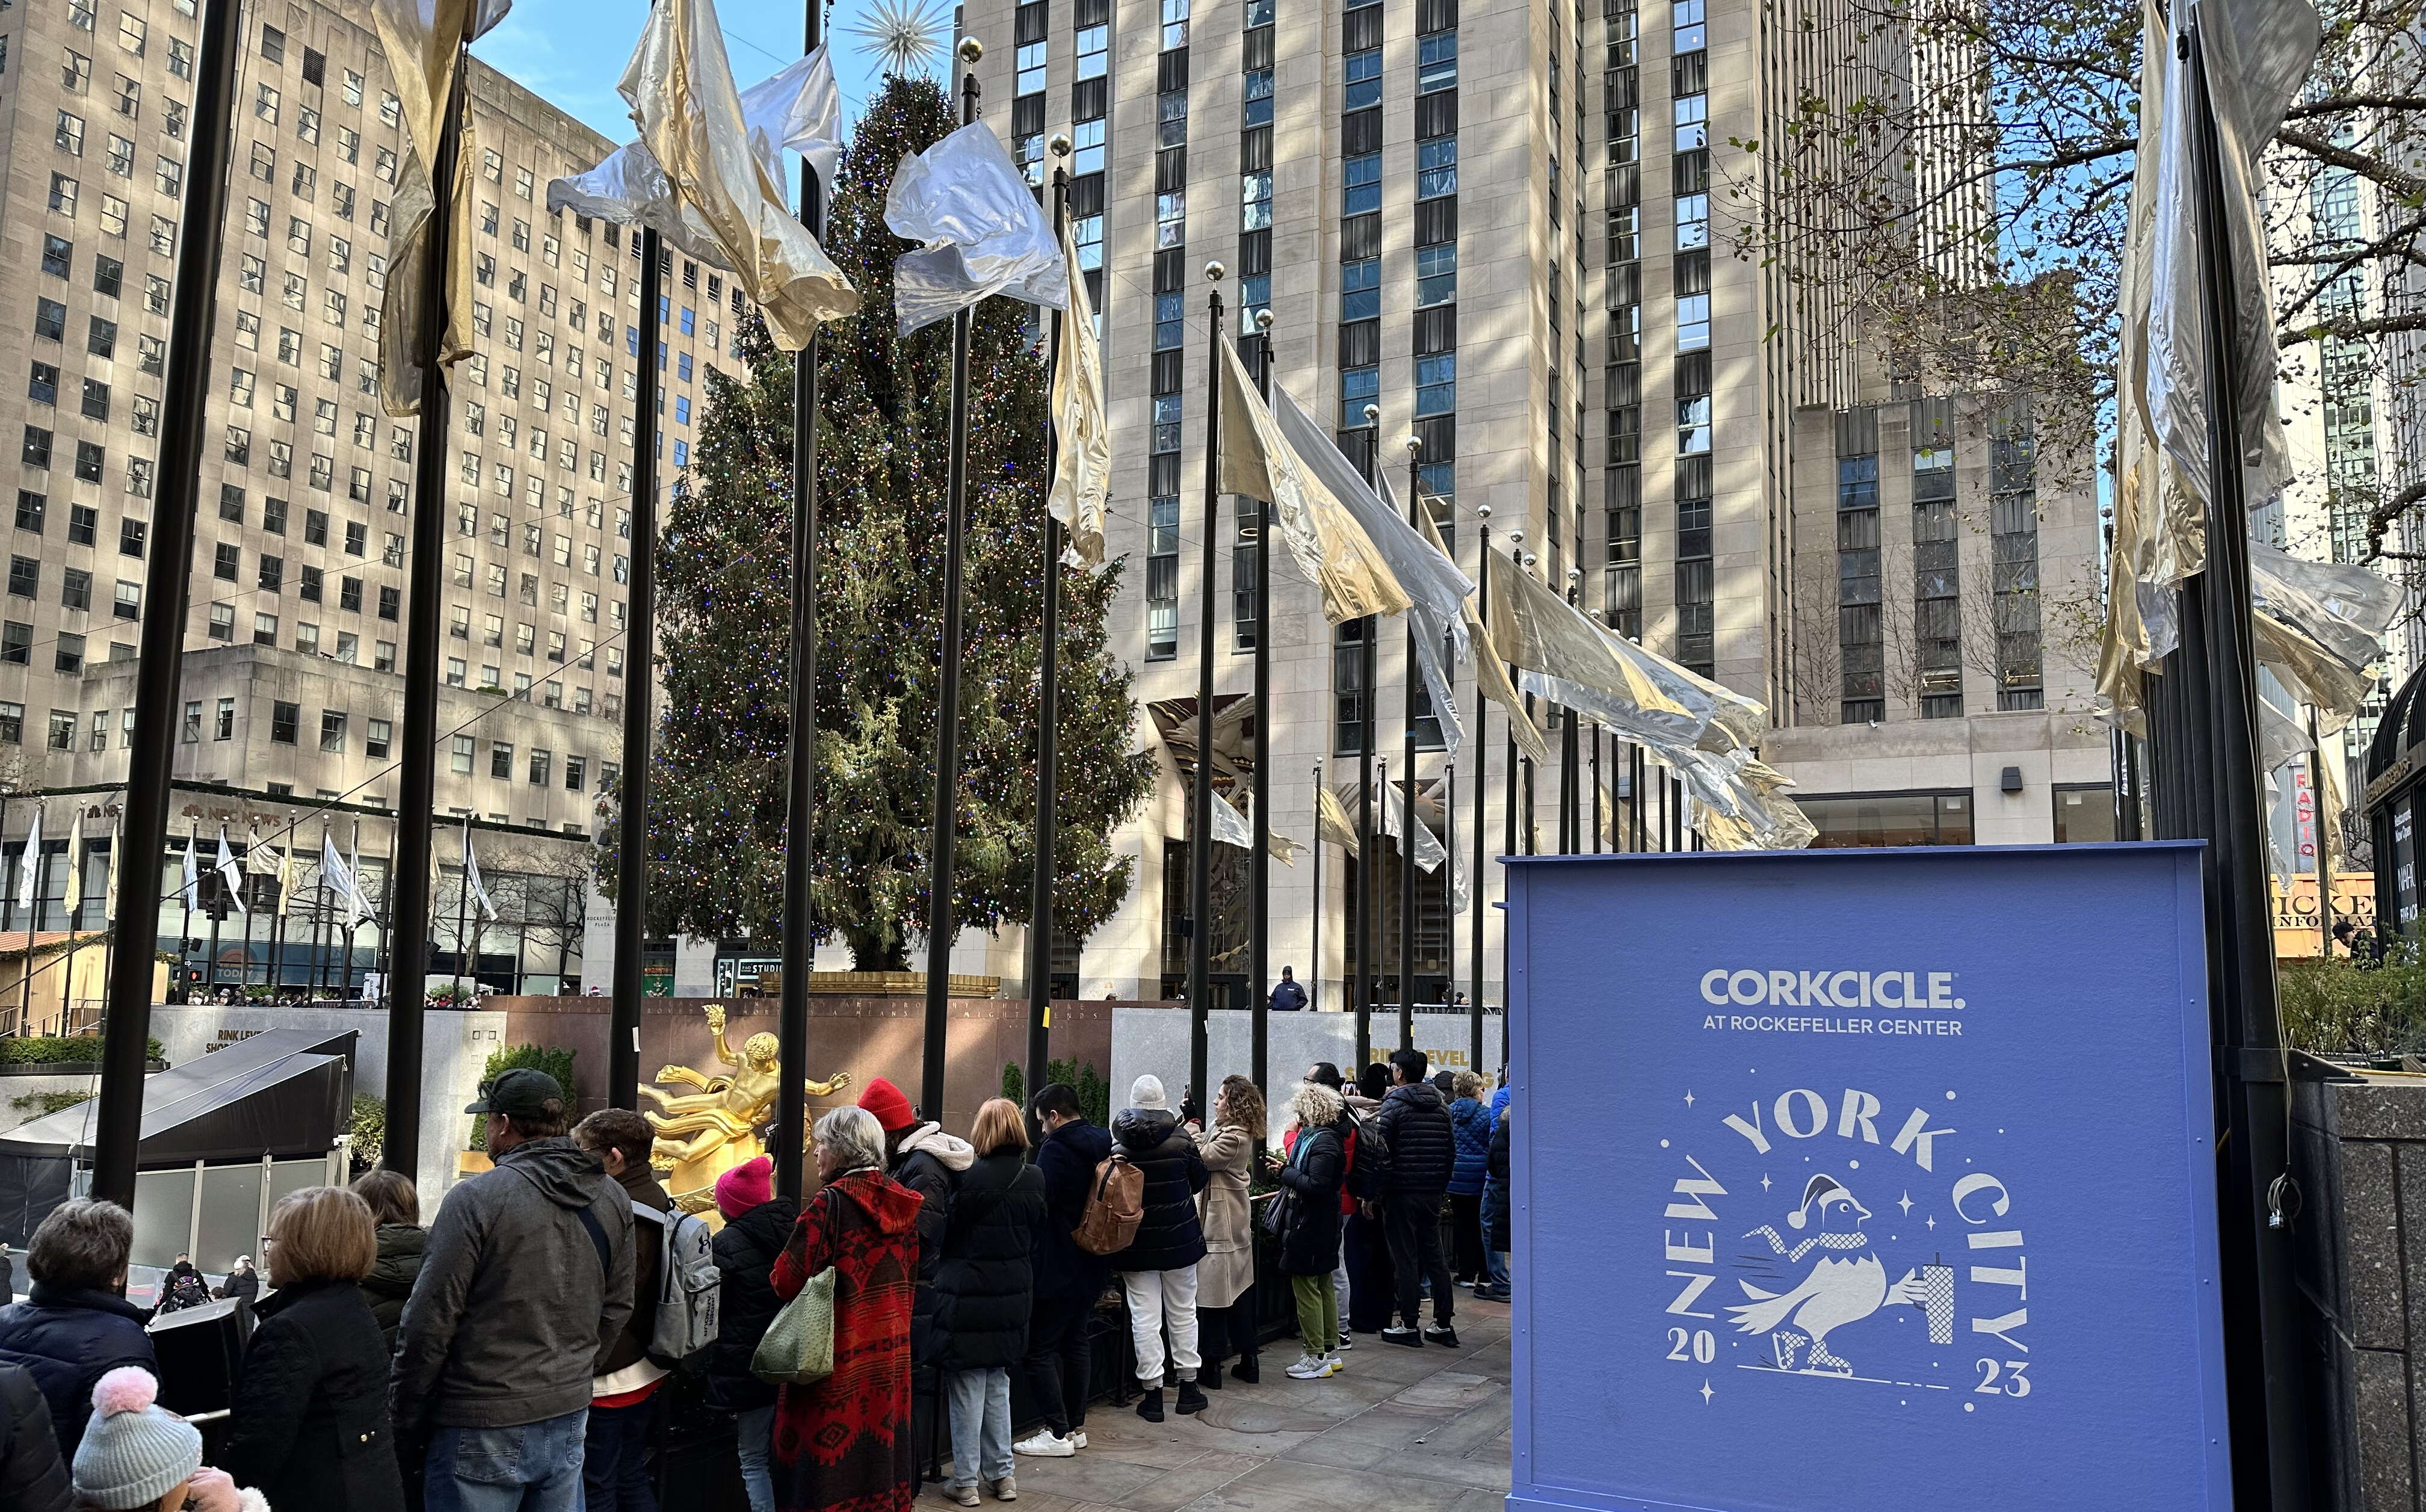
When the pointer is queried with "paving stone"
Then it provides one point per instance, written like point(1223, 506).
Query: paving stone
point(1449, 1389)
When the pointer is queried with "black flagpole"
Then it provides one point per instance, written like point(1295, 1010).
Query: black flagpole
point(941, 924)
point(2208, 708)
point(800, 795)
point(417, 772)
point(1368, 734)
point(1259, 860)
point(1477, 894)
point(1407, 820)
point(127, 1021)
point(632, 845)
point(1570, 756)
point(1048, 716)
point(1200, 829)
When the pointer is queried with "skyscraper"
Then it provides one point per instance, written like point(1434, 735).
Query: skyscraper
point(1508, 228)
point(292, 693)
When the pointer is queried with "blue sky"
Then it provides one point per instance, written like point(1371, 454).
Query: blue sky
point(571, 51)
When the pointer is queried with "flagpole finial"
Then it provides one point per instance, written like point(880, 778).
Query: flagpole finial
point(1214, 270)
point(1264, 319)
point(1060, 145)
point(1414, 444)
point(1517, 538)
point(971, 50)
point(1373, 415)
point(1482, 511)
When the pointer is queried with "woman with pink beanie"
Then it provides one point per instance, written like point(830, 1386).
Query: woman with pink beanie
point(757, 1224)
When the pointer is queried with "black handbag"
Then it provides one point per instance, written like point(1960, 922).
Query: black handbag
point(1278, 1210)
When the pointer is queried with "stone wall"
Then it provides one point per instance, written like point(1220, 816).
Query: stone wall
point(2359, 1154)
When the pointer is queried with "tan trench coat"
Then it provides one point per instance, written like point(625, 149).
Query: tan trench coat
point(1229, 1264)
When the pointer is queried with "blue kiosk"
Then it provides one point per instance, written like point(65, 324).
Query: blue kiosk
point(1864, 1180)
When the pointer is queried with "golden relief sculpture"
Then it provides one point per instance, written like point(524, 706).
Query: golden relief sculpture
point(701, 1135)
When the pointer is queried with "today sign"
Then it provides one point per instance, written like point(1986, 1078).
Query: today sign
point(1865, 1180)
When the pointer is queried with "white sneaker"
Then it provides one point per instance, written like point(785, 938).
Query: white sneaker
point(1078, 1437)
point(1309, 1368)
point(1045, 1445)
point(1337, 1364)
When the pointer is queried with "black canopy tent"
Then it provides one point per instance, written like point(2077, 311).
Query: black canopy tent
point(282, 1094)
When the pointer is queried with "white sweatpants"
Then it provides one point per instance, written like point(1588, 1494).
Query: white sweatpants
point(1157, 1297)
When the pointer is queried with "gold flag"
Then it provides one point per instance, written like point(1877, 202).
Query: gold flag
point(424, 41)
point(681, 88)
point(1325, 540)
point(1082, 438)
point(1330, 821)
point(75, 896)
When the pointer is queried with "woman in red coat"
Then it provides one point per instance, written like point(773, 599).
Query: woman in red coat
point(843, 1444)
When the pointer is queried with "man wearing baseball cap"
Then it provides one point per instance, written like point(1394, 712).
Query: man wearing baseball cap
point(526, 1283)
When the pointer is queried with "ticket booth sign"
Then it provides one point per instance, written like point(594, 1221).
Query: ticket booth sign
point(1850, 1181)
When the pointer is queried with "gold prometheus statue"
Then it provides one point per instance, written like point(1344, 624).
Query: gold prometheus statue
point(701, 1135)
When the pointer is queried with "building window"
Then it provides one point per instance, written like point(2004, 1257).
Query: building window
point(1348, 687)
point(2014, 563)
point(1938, 602)
point(1860, 630)
point(285, 722)
point(1877, 819)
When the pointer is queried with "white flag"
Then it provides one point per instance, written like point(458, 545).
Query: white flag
point(73, 899)
point(361, 901)
point(191, 885)
point(230, 875)
point(479, 890)
point(337, 876)
point(1082, 438)
point(109, 893)
point(1230, 826)
point(983, 232)
point(30, 863)
point(1430, 852)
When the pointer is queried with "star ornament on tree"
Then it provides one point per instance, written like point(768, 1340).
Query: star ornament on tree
point(906, 35)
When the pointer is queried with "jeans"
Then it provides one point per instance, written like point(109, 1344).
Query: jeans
point(614, 1464)
point(1317, 1313)
point(1157, 1295)
point(1495, 1209)
point(755, 1433)
point(980, 1424)
point(1056, 1362)
point(1412, 1222)
point(532, 1467)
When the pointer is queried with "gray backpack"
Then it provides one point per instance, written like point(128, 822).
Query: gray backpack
point(687, 1283)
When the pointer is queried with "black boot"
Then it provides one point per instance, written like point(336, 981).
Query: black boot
point(1247, 1369)
point(1209, 1377)
point(1150, 1403)
point(1191, 1398)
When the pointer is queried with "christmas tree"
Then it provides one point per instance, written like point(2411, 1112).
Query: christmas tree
point(717, 784)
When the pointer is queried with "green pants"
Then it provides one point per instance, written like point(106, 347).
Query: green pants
point(1317, 1313)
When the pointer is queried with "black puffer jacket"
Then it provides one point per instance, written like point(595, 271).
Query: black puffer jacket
point(928, 1161)
point(982, 1286)
point(1169, 1237)
point(1067, 1160)
point(1420, 1141)
point(67, 1340)
point(33, 1476)
point(309, 1426)
point(745, 1251)
point(390, 1282)
point(1317, 1165)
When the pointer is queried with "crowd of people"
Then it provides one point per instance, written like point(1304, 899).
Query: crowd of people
point(508, 1358)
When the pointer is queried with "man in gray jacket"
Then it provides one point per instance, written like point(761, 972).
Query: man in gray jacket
point(525, 1286)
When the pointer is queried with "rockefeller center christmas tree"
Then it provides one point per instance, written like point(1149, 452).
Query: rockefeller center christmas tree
point(716, 792)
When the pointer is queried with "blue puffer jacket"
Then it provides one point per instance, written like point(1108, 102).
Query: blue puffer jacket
point(1471, 1122)
point(67, 1340)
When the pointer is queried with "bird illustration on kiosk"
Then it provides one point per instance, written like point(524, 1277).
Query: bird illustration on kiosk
point(1845, 1285)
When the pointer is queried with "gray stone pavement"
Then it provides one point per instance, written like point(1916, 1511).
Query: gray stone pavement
point(1434, 1420)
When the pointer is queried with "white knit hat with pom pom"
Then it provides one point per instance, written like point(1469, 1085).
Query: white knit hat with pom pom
point(134, 1453)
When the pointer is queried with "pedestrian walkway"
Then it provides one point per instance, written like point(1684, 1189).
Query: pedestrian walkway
point(1435, 1420)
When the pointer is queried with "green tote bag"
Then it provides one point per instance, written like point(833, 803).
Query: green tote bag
point(797, 1348)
